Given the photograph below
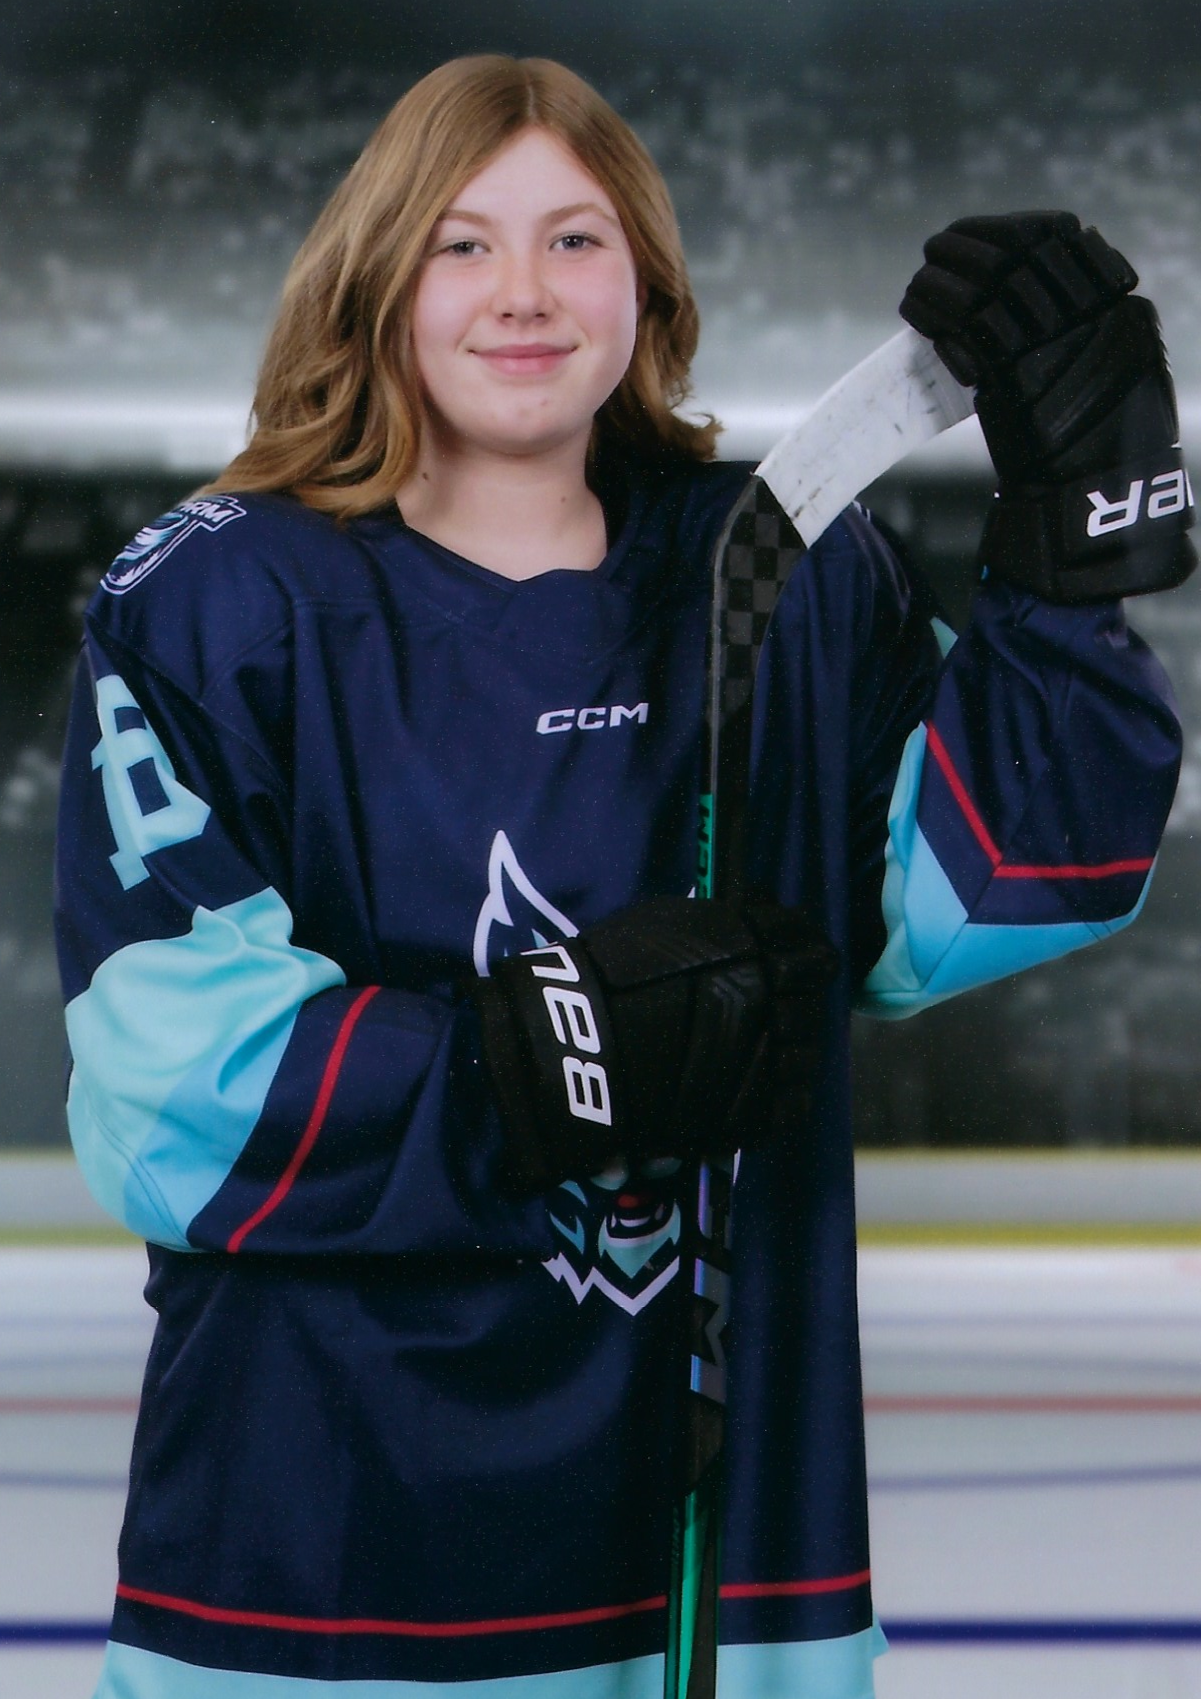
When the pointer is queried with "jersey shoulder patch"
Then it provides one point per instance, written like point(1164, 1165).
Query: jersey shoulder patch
point(154, 542)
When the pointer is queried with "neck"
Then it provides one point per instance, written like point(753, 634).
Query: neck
point(518, 515)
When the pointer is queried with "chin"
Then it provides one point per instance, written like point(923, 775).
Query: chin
point(528, 441)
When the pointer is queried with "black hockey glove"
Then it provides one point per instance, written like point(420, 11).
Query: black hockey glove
point(1075, 399)
point(674, 1028)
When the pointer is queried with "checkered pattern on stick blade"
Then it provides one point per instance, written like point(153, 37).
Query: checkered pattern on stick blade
point(753, 563)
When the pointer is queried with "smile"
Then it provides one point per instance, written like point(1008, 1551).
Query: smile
point(523, 359)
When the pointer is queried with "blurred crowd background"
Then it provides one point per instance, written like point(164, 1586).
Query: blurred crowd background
point(159, 165)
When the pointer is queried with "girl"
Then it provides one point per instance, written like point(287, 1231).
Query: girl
point(414, 688)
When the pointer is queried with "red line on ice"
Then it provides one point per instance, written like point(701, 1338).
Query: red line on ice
point(37, 1406)
point(1036, 1403)
point(886, 1404)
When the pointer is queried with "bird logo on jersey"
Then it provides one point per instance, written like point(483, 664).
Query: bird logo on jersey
point(154, 542)
point(619, 1231)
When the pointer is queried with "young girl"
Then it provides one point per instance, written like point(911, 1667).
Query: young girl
point(414, 688)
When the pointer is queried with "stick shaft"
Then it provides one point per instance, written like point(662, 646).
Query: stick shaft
point(899, 397)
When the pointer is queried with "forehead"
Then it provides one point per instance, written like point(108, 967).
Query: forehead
point(535, 171)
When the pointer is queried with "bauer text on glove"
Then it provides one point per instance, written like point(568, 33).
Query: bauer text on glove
point(1075, 400)
point(673, 1028)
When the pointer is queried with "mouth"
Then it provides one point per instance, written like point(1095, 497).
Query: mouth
point(522, 359)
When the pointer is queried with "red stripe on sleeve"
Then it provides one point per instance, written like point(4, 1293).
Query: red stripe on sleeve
point(329, 1080)
point(941, 754)
point(1001, 869)
point(1101, 870)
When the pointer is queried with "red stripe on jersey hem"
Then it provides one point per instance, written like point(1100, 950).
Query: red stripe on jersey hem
point(316, 1121)
point(385, 1625)
point(982, 835)
point(464, 1630)
point(795, 1589)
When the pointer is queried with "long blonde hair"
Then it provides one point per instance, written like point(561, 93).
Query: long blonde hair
point(338, 407)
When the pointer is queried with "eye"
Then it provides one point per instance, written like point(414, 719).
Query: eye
point(462, 247)
point(575, 241)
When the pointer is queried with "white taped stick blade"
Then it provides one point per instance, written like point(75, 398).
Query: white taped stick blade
point(889, 404)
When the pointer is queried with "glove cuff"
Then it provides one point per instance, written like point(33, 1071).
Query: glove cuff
point(1118, 533)
point(548, 1044)
point(507, 1057)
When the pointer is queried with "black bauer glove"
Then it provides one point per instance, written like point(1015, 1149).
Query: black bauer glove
point(1075, 399)
point(672, 1029)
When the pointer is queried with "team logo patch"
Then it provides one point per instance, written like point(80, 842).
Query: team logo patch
point(619, 1232)
point(154, 542)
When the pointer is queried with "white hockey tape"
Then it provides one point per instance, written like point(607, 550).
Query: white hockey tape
point(889, 404)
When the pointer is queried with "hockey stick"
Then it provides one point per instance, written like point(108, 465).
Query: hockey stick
point(898, 398)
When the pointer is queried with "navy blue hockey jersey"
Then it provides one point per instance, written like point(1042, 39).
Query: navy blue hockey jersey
point(400, 1430)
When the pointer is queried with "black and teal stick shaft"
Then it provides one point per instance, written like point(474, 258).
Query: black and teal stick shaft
point(898, 398)
point(695, 1582)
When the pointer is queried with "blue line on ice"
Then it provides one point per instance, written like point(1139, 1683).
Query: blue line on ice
point(1166, 1631)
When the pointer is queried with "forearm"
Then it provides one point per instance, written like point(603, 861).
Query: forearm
point(1030, 802)
point(229, 1089)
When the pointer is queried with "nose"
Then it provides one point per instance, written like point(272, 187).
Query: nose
point(523, 289)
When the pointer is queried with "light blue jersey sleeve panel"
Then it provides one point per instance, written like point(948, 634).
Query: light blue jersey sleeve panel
point(819, 1669)
point(175, 1044)
point(934, 949)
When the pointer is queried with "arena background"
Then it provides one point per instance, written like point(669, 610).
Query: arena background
point(159, 164)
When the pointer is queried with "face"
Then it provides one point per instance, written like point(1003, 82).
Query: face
point(526, 305)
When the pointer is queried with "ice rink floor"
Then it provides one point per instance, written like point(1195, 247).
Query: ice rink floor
point(1034, 1446)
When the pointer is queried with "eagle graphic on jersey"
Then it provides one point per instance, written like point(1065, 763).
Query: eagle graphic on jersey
point(620, 1231)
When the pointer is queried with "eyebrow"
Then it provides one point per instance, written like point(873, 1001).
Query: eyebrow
point(559, 213)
